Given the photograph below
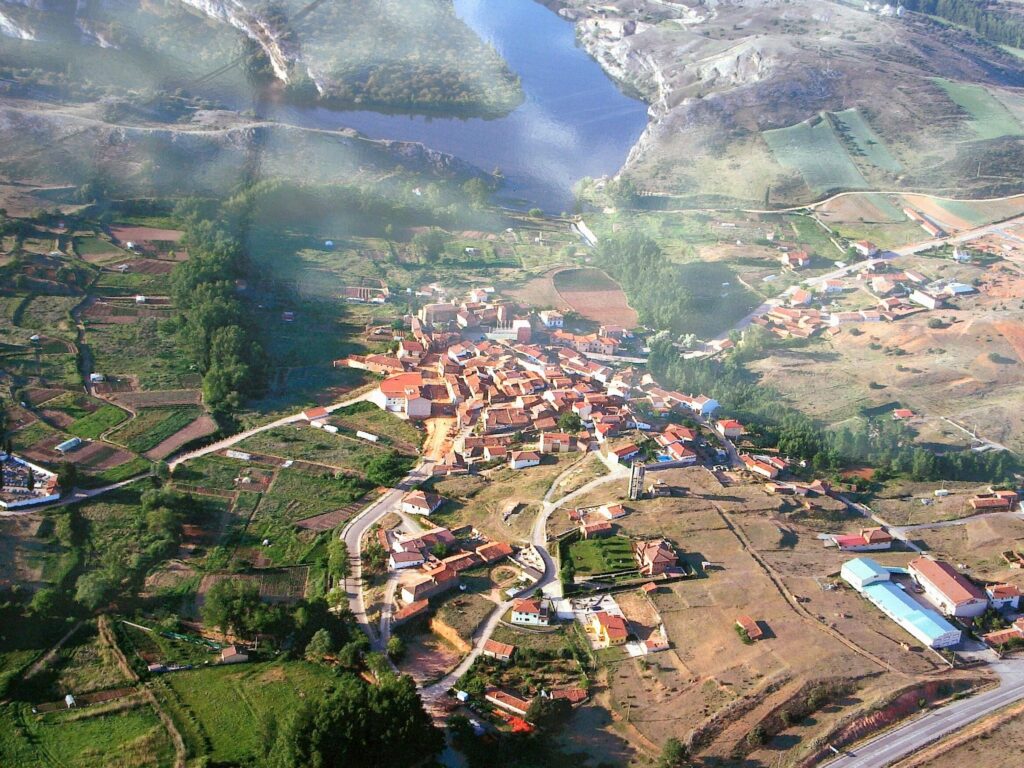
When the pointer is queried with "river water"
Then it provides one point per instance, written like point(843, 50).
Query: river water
point(574, 121)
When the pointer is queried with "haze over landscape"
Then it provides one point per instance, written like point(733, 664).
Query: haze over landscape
point(508, 383)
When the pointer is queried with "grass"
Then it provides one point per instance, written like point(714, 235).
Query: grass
point(313, 445)
point(867, 143)
point(136, 466)
point(28, 436)
point(209, 472)
point(89, 246)
point(140, 349)
point(812, 149)
point(232, 704)
point(602, 555)
point(98, 422)
point(989, 118)
point(111, 735)
point(152, 426)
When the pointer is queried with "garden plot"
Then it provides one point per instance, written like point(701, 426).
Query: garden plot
point(153, 426)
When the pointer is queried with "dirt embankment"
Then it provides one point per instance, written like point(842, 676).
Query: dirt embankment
point(449, 634)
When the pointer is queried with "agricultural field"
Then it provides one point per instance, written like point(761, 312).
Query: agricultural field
point(393, 431)
point(152, 426)
point(99, 421)
point(853, 126)
point(141, 352)
point(305, 443)
point(595, 296)
point(230, 707)
point(595, 556)
point(126, 733)
point(811, 147)
point(988, 118)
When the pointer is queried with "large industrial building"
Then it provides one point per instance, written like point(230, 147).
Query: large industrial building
point(874, 582)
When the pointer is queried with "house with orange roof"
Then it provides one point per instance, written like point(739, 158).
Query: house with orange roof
point(498, 651)
point(596, 529)
point(523, 459)
point(609, 629)
point(530, 611)
point(1002, 596)
point(654, 556)
point(402, 395)
point(948, 589)
point(868, 540)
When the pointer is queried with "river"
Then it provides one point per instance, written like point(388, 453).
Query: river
point(573, 122)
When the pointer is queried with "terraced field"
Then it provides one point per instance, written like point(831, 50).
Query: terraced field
point(812, 149)
point(858, 131)
point(989, 118)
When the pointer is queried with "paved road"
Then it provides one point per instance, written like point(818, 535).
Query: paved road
point(894, 744)
point(353, 533)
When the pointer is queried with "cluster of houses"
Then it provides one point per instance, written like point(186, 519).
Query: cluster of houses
point(896, 293)
point(945, 594)
point(506, 388)
point(434, 558)
point(23, 483)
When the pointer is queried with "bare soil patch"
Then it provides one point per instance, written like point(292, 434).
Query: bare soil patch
point(158, 397)
point(595, 296)
point(201, 427)
point(146, 234)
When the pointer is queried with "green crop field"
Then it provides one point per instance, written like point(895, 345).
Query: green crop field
point(989, 118)
point(313, 445)
point(95, 246)
point(232, 704)
point(152, 426)
point(98, 422)
point(141, 349)
point(107, 734)
point(852, 124)
point(813, 150)
point(602, 555)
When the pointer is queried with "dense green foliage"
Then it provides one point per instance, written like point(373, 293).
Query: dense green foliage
point(983, 17)
point(358, 726)
point(698, 297)
point(214, 329)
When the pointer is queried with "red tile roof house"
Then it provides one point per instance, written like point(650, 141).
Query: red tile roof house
point(312, 414)
point(759, 467)
point(508, 701)
point(624, 454)
point(654, 557)
point(573, 695)
point(596, 529)
point(947, 589)
point(557, 442)
point(530, 611)
point(432, 583)
point(494, 551)
point(498, 651)
point(869, 539)
point(523, 459)
point(1000, 637)
point(729, 428)
point(400, 560)
point(999, 501)
point(795, 259)
point(402, 394)
point(421, 503)
point(410, 612)
point(750, 626)
point(1003, 596)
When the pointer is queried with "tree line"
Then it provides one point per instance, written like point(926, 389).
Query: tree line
point(214, 326)
point(979, 16)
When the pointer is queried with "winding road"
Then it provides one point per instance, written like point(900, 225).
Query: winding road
point(934, 724)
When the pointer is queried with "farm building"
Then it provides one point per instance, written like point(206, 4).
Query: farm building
point(751, 626)
point(510, 702)
point(234, 654)
point(867, 540)
point(498, 651)
point(947, 589)
point(873, 581)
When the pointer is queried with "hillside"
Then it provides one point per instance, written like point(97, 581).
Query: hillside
point(790, 101)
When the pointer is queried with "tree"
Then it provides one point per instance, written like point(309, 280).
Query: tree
point(396, 648)
point(67, 476)
point(338, 563)
point(320, 645)
point(430, 245)
point(570, 422)
point(673, 754)
point(386, 468)
point(233, 606)
point(548, 713)
point(356, 725)
point(92, 589)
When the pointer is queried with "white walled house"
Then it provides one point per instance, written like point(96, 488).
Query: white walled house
point(947, 589)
